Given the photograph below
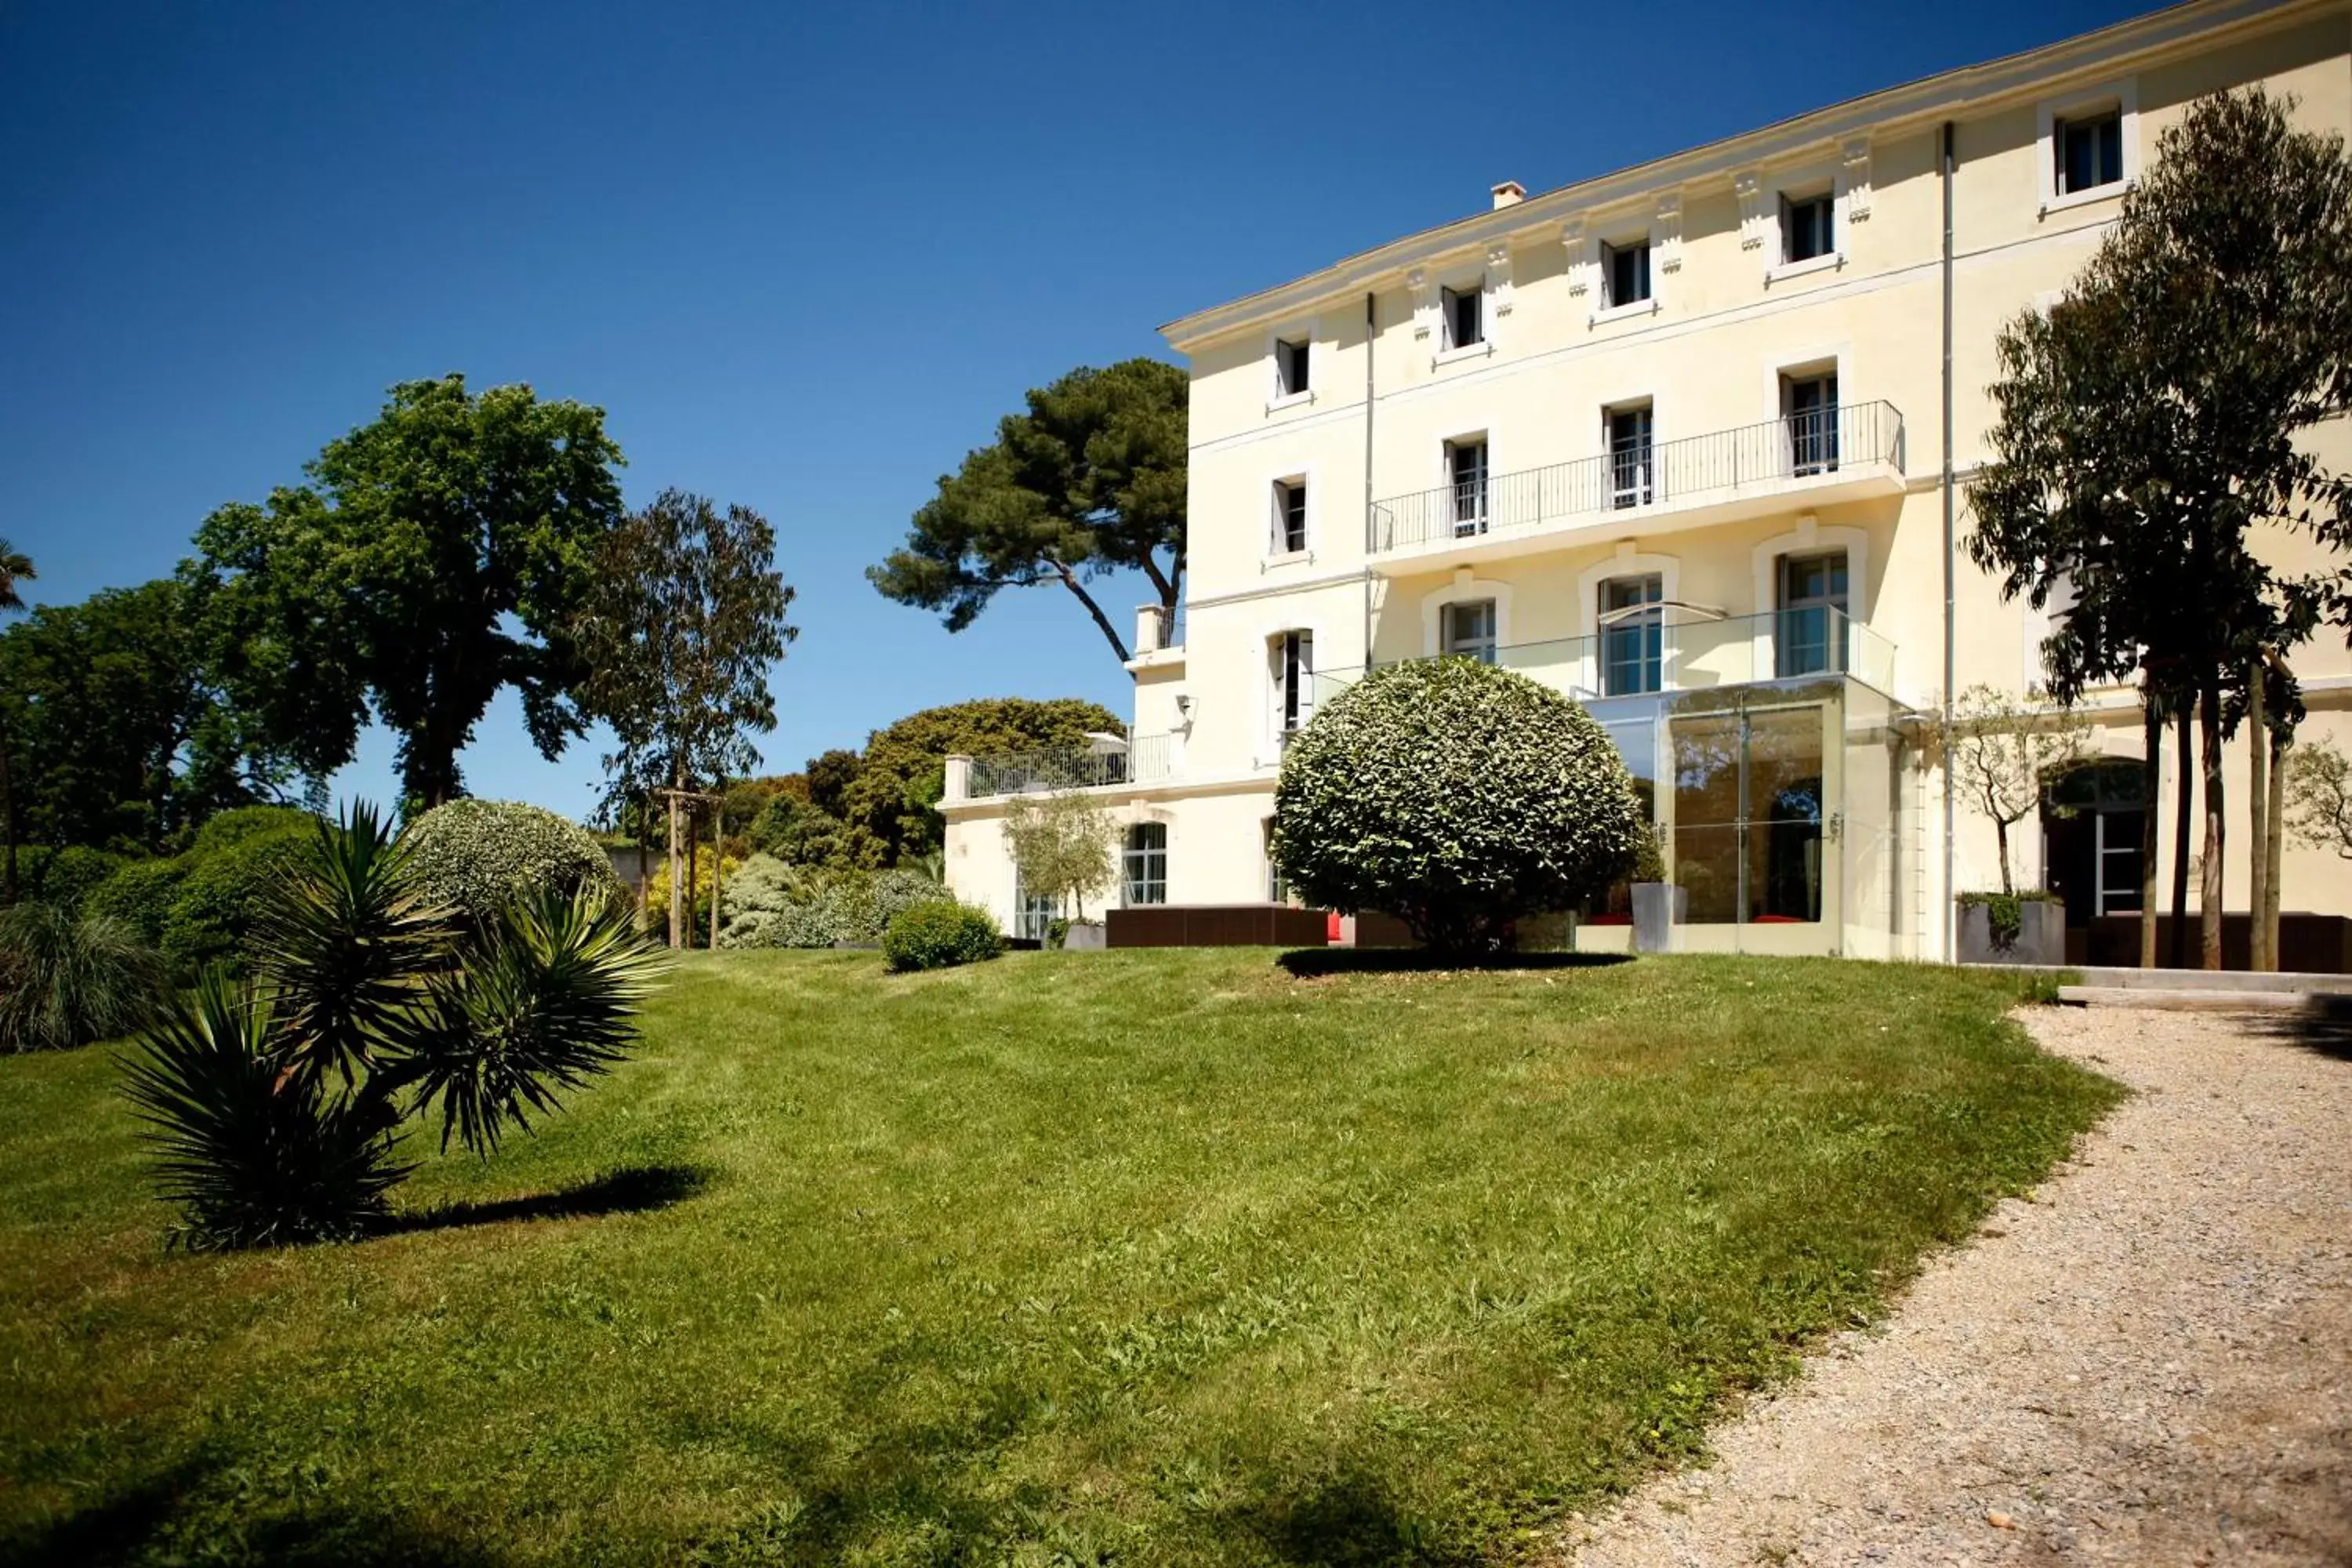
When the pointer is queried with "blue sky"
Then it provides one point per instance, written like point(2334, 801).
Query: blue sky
point(803, 256)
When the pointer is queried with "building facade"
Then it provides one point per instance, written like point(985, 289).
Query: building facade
point(1674, 441)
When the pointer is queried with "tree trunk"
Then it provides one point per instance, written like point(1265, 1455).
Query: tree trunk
point(717, 856)
point(2000, 837)
point(676, 925)
point(2258, 795)
point(2274, 845)
point(2208, 719)
point(2151, 774)
point(644, 876)
point(7, 824)
point(2184, 803)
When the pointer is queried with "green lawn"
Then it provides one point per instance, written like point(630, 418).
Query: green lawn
point(1152, 1257)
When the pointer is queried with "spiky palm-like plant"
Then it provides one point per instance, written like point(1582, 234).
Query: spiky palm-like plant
point(65, 982)
point(278, 1105)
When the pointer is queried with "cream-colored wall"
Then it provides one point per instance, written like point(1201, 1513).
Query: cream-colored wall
point(1708, 358)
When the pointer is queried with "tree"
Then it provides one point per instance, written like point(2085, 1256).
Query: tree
point(2003, 751)
point(442, 557)
point(16, 566)
point(1061, 845)
point(2318, 797)
point(2149, 425)
point(122, 736)
point(1458, 796)
point(890, 806)
point(678, 634)
point(1089, 479)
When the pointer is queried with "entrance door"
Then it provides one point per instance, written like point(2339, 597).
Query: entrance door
point(1812, 639)
point(2092, 818)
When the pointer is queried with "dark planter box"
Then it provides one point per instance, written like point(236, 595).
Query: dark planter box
point(2308, 944)
point(1217, 925)
point(1084, 936)
point(2041, 935)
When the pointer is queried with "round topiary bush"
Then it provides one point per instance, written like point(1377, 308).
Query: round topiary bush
point(477, 856)
point(227, 880)
point(939, 934)
point(1456, 797)
point(140, 895)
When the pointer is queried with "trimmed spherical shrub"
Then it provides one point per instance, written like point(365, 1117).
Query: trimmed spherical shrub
point(225, 886)
point(938, 934)
point(227, 829)
point(478, 855)
point(140, 895)
point(1458, 796)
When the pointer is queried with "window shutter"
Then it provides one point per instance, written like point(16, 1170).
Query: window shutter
point(1304, 673)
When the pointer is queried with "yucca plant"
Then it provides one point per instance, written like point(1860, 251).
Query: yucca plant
point(278, 1105)
point(65, 982)
point(254, 1155)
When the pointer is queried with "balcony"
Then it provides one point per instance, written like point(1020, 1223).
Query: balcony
point(1847, 453)
point(1638, 657)
point(1104, 760)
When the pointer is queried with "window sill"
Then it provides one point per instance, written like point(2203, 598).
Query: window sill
point(1626, 312)
point(2112, 191)
point(1288, 558)
point(1828, 262)
point(1479, 350)
point(1291, 400)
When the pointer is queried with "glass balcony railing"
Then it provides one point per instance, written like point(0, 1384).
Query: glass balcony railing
point(1635, 657)
point(1698, 470)
point(1139, 759)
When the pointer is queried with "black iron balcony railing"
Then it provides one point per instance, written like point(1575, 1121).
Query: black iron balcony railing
point(1689, 472)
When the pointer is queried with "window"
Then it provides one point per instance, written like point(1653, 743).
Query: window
point(2089, 152)
point(1812, 639)
point(1466, 321)
point(1625, 272)
point(1807, 227)
point(1277, 886)
point(1469, 630)
point(1291, 662)
point(1810, 402)
point(1633, 635)
point(1289, 516)
point(1465, 470)
point(1290, 368)
point(1144, 864)
point(1631, 469)
point(1035, 913)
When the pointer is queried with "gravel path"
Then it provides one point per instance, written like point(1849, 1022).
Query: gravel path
point(2148, 1360)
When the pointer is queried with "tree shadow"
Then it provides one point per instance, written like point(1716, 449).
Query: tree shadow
point(2321, 1025)
point(1347, 1522)
point(638, 1189)
point(1314, 962)
point(132, 1524)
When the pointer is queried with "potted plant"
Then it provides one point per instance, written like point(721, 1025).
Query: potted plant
point(2003, 747)
point(1061, 843)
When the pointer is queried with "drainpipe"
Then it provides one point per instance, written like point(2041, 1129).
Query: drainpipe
point(1370, 327)
point(1951, 645)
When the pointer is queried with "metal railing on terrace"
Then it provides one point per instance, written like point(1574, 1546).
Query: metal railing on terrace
point(1649, 654)
point(1692, 471)
point(1139, 759)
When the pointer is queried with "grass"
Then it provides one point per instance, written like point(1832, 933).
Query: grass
point(1154, 1257)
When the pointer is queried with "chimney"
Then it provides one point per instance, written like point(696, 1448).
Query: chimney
point(1509, 194)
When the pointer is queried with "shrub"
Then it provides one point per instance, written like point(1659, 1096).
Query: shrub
point(227, 880)
point(800, 834)
point(1458, 796)
point(937, 935)
point(74, 872)
point(771, 904)
point(65, 982)
point(140, 895)
point(479, 856)
point(227, 829)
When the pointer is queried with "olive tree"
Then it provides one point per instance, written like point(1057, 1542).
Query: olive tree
point(2003, 748)
point(1458, 797)
point(2318, 797)
point(1061, 843)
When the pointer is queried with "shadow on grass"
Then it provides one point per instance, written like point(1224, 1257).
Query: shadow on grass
point(1310, 963)
point(137, 1523)
point(1346, 1522)
point(639, 1189)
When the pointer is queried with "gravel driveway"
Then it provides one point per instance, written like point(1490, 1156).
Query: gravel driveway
point(2148, 1361)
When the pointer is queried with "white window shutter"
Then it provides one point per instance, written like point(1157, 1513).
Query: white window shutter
point(1305, 678)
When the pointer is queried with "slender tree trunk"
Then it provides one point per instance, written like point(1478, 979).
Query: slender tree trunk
point(7, 824)
point(2274, 845)
point(677, 926)
point(644, 876)
point(2184, 804)
point(2000, 837)
point(2208, 719)
point(2258, 795)
point(2151, 774)
point(1070, 581)
point(717, 856)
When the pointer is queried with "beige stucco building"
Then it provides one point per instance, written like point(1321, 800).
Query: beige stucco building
point(1673, 440)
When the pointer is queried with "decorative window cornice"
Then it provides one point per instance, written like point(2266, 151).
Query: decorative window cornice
point(1748, 185)
point(1670, 232)
point(1854, 155)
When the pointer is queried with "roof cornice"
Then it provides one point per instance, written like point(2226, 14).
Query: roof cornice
point(2031, 73)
